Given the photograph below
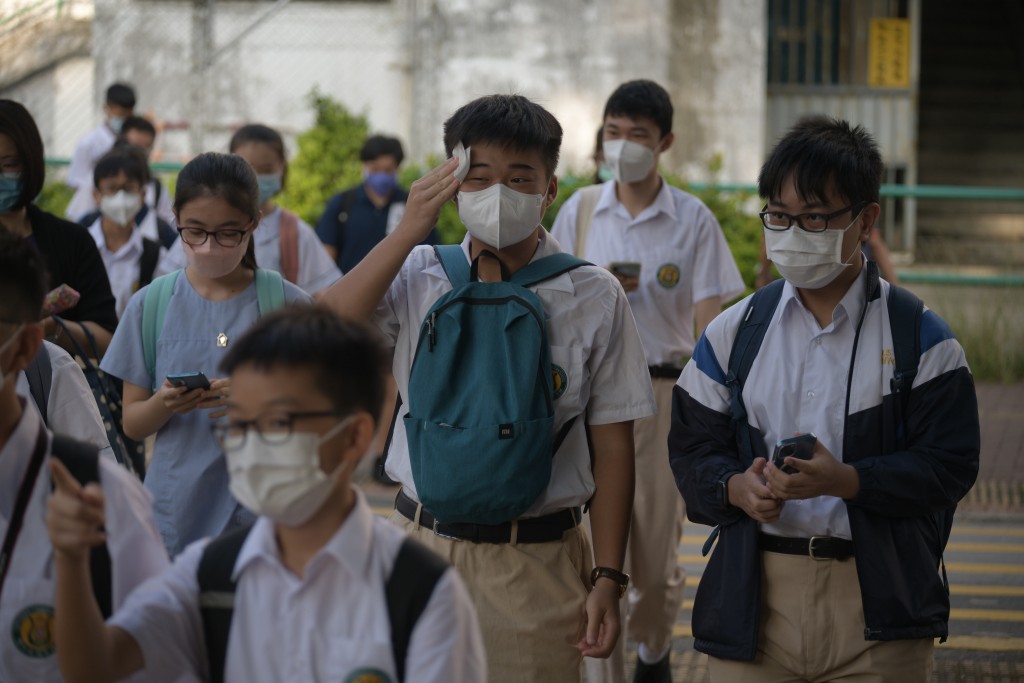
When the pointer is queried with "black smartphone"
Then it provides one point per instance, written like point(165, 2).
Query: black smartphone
point(626, 268)
point(190, 380)
point(797, 447)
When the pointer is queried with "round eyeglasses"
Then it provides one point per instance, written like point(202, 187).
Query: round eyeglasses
point(273, 430)
point(809, 222)
point(196, 237)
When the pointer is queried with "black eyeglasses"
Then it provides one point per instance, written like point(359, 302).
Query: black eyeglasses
point(809, 222)
point(196, 237)
point(273, 430)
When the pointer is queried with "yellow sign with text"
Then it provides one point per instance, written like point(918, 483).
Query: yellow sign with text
point(889, 53)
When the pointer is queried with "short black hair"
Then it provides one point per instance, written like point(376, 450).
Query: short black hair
point(508, 120)
point(138, 123)
point(121, 95)
point(345, 357)
point(23, 279)
point(255, 132)
point(125, 158)
point(17, 124)
point(820, 153)
point(641, 98)
point(377, 146)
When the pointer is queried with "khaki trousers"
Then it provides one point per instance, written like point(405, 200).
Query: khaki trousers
point(657, 580)
point(812, 629)
point(530, 600)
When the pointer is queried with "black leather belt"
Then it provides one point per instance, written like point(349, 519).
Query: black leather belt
point(815, 547)
point(531, 530)
point(664, 371)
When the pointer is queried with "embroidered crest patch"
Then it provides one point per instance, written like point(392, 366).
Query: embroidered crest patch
point(668, 275)
point(32, 631)
point(368, 676)
point(559, 381)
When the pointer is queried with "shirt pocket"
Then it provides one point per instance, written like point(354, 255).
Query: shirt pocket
point(566, 379)
point(26, 616)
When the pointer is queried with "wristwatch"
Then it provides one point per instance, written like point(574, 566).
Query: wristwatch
point(614, 574)
point(723, 489)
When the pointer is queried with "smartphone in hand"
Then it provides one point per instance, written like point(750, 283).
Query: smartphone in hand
point(801, 447)
point(626, 268)
point(190, 380)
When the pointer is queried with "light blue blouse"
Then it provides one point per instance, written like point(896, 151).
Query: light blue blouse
point(187, 475)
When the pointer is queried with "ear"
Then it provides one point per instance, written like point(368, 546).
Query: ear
point(96, 196)
point(28, 347)
point(869, 216)
point(552, 192)
point(357, 438)
point(666, 143)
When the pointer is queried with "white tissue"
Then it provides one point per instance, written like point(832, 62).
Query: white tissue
point(462, 154)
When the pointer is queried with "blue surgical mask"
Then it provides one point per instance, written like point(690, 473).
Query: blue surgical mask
point(115, 123)
point(382, 184)
point(11, 187)
point(270, 184)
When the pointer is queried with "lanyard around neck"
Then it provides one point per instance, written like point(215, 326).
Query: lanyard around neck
point(28, 484)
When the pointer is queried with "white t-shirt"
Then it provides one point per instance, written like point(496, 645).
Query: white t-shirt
point(593, 340)
point(329, 625)
point(317, 271)
point(94, 145)
point(122, 265)
point(71, 408)
point(26, 608)
point(683, 255)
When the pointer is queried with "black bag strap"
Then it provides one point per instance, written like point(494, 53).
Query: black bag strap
point(217, 595)
point(905, 313)
point(148, 261)
point(745, 346)
point(348, 200)
point(83, 462)
point(40, 379)
point(417, 570)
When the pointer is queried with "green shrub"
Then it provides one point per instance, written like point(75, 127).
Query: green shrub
point(55, 197)
point(991, 341)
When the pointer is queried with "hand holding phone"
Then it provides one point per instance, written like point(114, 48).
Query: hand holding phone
point(190, 380)
point(801, 447)
point(625, 268)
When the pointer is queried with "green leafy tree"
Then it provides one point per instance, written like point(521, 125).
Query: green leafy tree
point(328, 158)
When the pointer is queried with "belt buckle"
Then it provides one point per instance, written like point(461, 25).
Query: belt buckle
point(443, 535)
point(810, 548)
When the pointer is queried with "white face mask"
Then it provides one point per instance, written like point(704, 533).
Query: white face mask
point(499, 216)
point(808, 260)
point(284, 481)
point(5, 346)
point(629, 161)
point(121, 207)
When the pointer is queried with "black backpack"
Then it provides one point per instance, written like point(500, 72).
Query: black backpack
point(408, 590)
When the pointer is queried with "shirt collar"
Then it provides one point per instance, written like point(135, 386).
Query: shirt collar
point(663, 202)
point(132, 246)
point(350, 546)
point(850, 305)
point(546, 246)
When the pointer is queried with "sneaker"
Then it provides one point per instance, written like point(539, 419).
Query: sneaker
point(659, 672)
point(379, 475)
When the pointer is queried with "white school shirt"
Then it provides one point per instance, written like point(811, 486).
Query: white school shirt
point(683, 255)
point(122, 265)
point(593, 341)
point(26, 605)
point(317, 271)
point(330, 625)
point(94, 145)
point(71, 408)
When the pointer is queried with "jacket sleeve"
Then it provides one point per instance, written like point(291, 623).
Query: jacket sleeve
point(940, 462)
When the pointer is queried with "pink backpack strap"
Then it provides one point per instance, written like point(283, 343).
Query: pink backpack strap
point(289, 246)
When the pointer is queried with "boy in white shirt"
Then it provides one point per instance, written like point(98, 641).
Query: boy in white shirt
point(307, 583)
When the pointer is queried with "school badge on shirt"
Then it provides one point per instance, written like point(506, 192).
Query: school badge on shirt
point(32, 631)
point(559, 381)
point(368, 676)
point(668, 275)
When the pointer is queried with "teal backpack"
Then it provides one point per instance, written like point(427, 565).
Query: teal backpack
point(269, 297)
point(480, 425)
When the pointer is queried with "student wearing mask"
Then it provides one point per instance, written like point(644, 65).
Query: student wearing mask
point(141, 133)
point(71, 255)
point(27, 449)
point(118, 105)
point(284, 242)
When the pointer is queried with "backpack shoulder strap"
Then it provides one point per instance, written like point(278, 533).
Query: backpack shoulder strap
point(546, 268)
point(905, 313)
point(348, 200)
point(167, 234)
point(269, 290)
point(148, 261)
point(289, 245)
point(40, 380)
point(745, 346)
point(417, 570)
point(154, 311)
point(83, 462)
point(589, 196)
point(454, 262)
point(217, 595)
